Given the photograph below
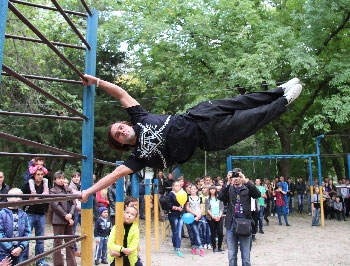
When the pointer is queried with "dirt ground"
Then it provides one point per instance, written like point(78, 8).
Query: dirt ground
point(301, 244)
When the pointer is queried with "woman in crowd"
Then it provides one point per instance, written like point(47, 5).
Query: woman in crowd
point(215, 210)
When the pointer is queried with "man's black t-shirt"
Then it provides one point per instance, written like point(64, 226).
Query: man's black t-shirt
point(35, 208)
point(159, 134)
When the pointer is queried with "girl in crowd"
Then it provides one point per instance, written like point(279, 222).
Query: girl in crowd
point(174, 217)
point(204, 229)
point(215, 210)
point(129, 249)
point(195, 206)
point(280, 204)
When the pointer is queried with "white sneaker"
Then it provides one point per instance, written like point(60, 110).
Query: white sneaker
point(289, 84)
point(205, 246)
point(209, 246)
point(293, 93)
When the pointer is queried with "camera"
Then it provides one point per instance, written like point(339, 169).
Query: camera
point(235, 174)
point(236, 171)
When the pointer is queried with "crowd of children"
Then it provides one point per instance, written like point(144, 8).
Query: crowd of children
point(205, 231)
point(63, 216)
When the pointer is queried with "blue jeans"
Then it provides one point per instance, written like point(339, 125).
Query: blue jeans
point(196, 237)
point(273, 206)
point(38, 223)
point(232, 247)
point(101, 249)
point(77, 219)
point(290, 200)
point(308, 203)
point(190, 234)
point(204, 231)
point(282, 210)
point(316, 217)
point(300, 203)
point(261, 218)
point(176, 224)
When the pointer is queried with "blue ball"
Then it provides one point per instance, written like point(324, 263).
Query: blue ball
point(188, 218)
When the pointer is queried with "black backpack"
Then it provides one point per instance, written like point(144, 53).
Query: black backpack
point(164, 203)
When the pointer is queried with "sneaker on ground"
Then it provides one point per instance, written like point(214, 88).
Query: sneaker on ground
point(201, 252)
point(209, 246)
point(194, 251)
point(293, 93)
point(179, 254)
point(289, 84)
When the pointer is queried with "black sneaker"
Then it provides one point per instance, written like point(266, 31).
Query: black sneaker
point(253, 237)
point(261, 232)
point(97, 262)
point(104, 262)
point(221, 250)
point(287, 224)
point(215, 250)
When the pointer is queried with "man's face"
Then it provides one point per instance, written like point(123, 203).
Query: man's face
point(2, 177)
point(236, 181)
point(207, 180)
point(123, 133)
point(257, 182)
point(160, 174)
point(59, 181)
point(170, 176)
point(38, 176)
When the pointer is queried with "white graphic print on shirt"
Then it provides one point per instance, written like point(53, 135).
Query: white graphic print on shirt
point(152, 141)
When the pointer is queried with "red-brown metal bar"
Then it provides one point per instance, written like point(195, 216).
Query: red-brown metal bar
point(86, 7)
point(77, 32)
point(18, 154)
point(10, 239)
point(53, 155)
point(35, 201)
point(48, 7)
point(43, 38)
point(41, 116)
point(22, 38)
point(40, 90)
point(39, 145)
point(53, 250)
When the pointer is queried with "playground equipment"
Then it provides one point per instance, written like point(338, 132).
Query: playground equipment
point(309, 157)
point(87, 117)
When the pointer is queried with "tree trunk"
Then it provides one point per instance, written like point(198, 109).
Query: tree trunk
point(285, 139)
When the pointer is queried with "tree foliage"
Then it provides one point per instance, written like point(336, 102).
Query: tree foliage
point(171, 55)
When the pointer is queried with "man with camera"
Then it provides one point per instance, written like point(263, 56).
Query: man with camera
point(238, 196)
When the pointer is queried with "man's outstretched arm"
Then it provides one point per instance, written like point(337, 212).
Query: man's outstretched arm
point(114, 90)
point(105, 182)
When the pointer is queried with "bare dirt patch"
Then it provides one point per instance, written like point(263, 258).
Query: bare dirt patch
point(301, 244)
